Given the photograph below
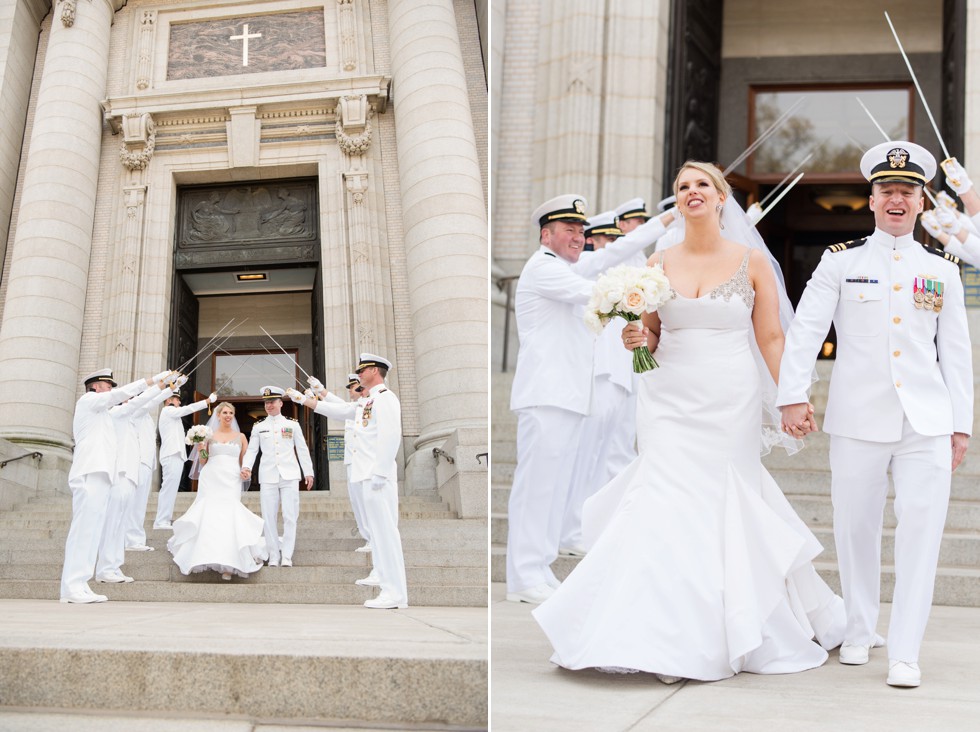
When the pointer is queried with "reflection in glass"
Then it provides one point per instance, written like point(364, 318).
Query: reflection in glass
point(829, 123)
point(248, 373)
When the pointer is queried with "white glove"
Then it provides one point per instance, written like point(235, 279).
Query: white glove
point(309, 393)
point(162, 376)
point(956, 177)
point(212, 398)
point(315, 383)
point(295, 395)
point(944, 199)
point(181, 380)
point(753, 213)
point(949, 220)
point(931, 224)
point(378, 482)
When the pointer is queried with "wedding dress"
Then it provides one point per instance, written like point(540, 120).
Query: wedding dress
point(698, 567)
point(218, 532)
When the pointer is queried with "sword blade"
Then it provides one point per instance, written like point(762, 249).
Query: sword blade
point(915, 80)
point(295, 363)
point(764, 136)
point(206, 345)
point(290, 374)
point(779, 198)
point(789, 175)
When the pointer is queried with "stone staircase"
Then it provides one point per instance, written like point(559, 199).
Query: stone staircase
point(445, 557)
point(805, 480)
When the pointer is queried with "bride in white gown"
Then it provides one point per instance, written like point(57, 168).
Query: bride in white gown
point(217, 532)
point(699, 568)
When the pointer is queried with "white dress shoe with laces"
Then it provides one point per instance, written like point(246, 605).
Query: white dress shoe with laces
point(573, 551)
point(854, 654)
point(903, 673)
point(366, 549)
point(84, 598)
point(113, 578)
point(370, 581)
point(383, 602)
point(534, 595)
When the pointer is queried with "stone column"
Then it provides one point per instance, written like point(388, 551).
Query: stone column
point(445, 225)
point(40, 335)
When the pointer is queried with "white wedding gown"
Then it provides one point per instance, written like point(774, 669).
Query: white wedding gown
point(218, 532)
point(698, 567)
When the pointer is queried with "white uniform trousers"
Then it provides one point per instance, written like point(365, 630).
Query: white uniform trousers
point(270, 495)
point(920, 468)
point(89, 499)
point(606, 446)
point(381, 512)
point(357, 505)
point(136, 518)
point(172, 467)
point(546, 439)
point(112, 550)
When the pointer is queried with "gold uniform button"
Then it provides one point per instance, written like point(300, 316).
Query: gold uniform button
point(896, 320)
point(861, 296)
point(898, 384)
point(896, 287)
point(896, 354)
point(897, 256)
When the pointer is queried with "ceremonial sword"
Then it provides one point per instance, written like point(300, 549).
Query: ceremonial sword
point(779, 198)
point(206, 345)
point(762, 138)
point(788, 176)
point(295, 363)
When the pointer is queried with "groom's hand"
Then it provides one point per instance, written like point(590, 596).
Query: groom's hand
point(797, 419)
point(961, 441)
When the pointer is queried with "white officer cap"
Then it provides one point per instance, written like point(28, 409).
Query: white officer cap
point(666, 203)
point(353, 380)
point(370, 359)
point(272, 392)
point(100, 375)
point(632, 209)
point(898, 161)
point(604, 223)
point(567, 207)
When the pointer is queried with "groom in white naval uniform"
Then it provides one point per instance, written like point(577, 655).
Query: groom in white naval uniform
point(901, 397)
point(552, 390)
point(281, 441)
point(90, 479)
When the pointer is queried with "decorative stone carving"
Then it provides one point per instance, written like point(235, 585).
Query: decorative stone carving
point(139, 140)
point(67, 13)
point(354, 112)
point(348, 34)
point(144, 62)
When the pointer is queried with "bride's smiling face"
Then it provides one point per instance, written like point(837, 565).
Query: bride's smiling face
point(696, 194)
point(225, 416)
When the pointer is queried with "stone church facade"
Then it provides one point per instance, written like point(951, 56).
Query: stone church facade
point(151, 148)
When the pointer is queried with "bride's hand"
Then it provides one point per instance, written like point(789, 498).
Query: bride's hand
point(635, 335)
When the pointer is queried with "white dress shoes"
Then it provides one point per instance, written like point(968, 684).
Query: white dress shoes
point(139, 548)
point(83, 598)
point(273, 561)
point(573, 551)
point(370, 581)
point(665, 679)
point(534, 595)
point(166, 525)
point(854, 654)
point(383, 602)
point(903, 673)
point(286, 562)
point(113, 578)
point(366, 549)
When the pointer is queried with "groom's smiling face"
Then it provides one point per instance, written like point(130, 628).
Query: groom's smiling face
point(896, 206)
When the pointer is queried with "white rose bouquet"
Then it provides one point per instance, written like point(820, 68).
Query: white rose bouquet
point(628, 292)
point(196, 435)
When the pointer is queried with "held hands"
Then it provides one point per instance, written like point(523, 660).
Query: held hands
point(798, 419)
point(949, 220)
point(378, 482)
point(930, 222)
point(246, 473)
point(956, 177)
point(635, 335)
point(295, 395)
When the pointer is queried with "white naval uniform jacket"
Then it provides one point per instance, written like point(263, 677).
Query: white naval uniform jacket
point(377, 431)
point(893, 359)
point(94, 433)
point(124, 418)
point(612, 360)
point(281, 440)
point(968, 251)
point(172, 435)
point(147, 430)
point(555, 359)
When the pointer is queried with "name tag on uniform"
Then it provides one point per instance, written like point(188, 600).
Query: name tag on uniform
point(862, 280)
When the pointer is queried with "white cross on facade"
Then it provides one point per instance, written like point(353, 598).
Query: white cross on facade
point(244, 38)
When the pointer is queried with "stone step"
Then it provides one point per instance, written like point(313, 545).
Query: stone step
point(211, 588)
point(297, 574)
point(28, 520)
point(954, 585)
point(344, 667)
point(959, 548)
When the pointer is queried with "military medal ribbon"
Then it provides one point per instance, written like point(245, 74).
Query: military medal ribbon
point(628, 292)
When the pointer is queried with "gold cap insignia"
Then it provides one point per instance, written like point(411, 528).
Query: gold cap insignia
point(898, 157)
point(579, 206)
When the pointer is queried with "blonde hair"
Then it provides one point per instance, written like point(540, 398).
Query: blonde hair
point(713, 172)
point(223, 405)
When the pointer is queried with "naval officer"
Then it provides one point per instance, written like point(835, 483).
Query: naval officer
point(374, 446)
point(173, 453)
point(281, 440)
point(552, 390)
point(901, 398)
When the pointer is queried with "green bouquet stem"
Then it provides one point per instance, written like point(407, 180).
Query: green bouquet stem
point(643, 360)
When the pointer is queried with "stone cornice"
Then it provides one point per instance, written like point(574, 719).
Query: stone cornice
point(375, 88)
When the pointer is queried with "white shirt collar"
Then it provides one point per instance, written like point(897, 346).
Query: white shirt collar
point(376, 388)
point(892, 242)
